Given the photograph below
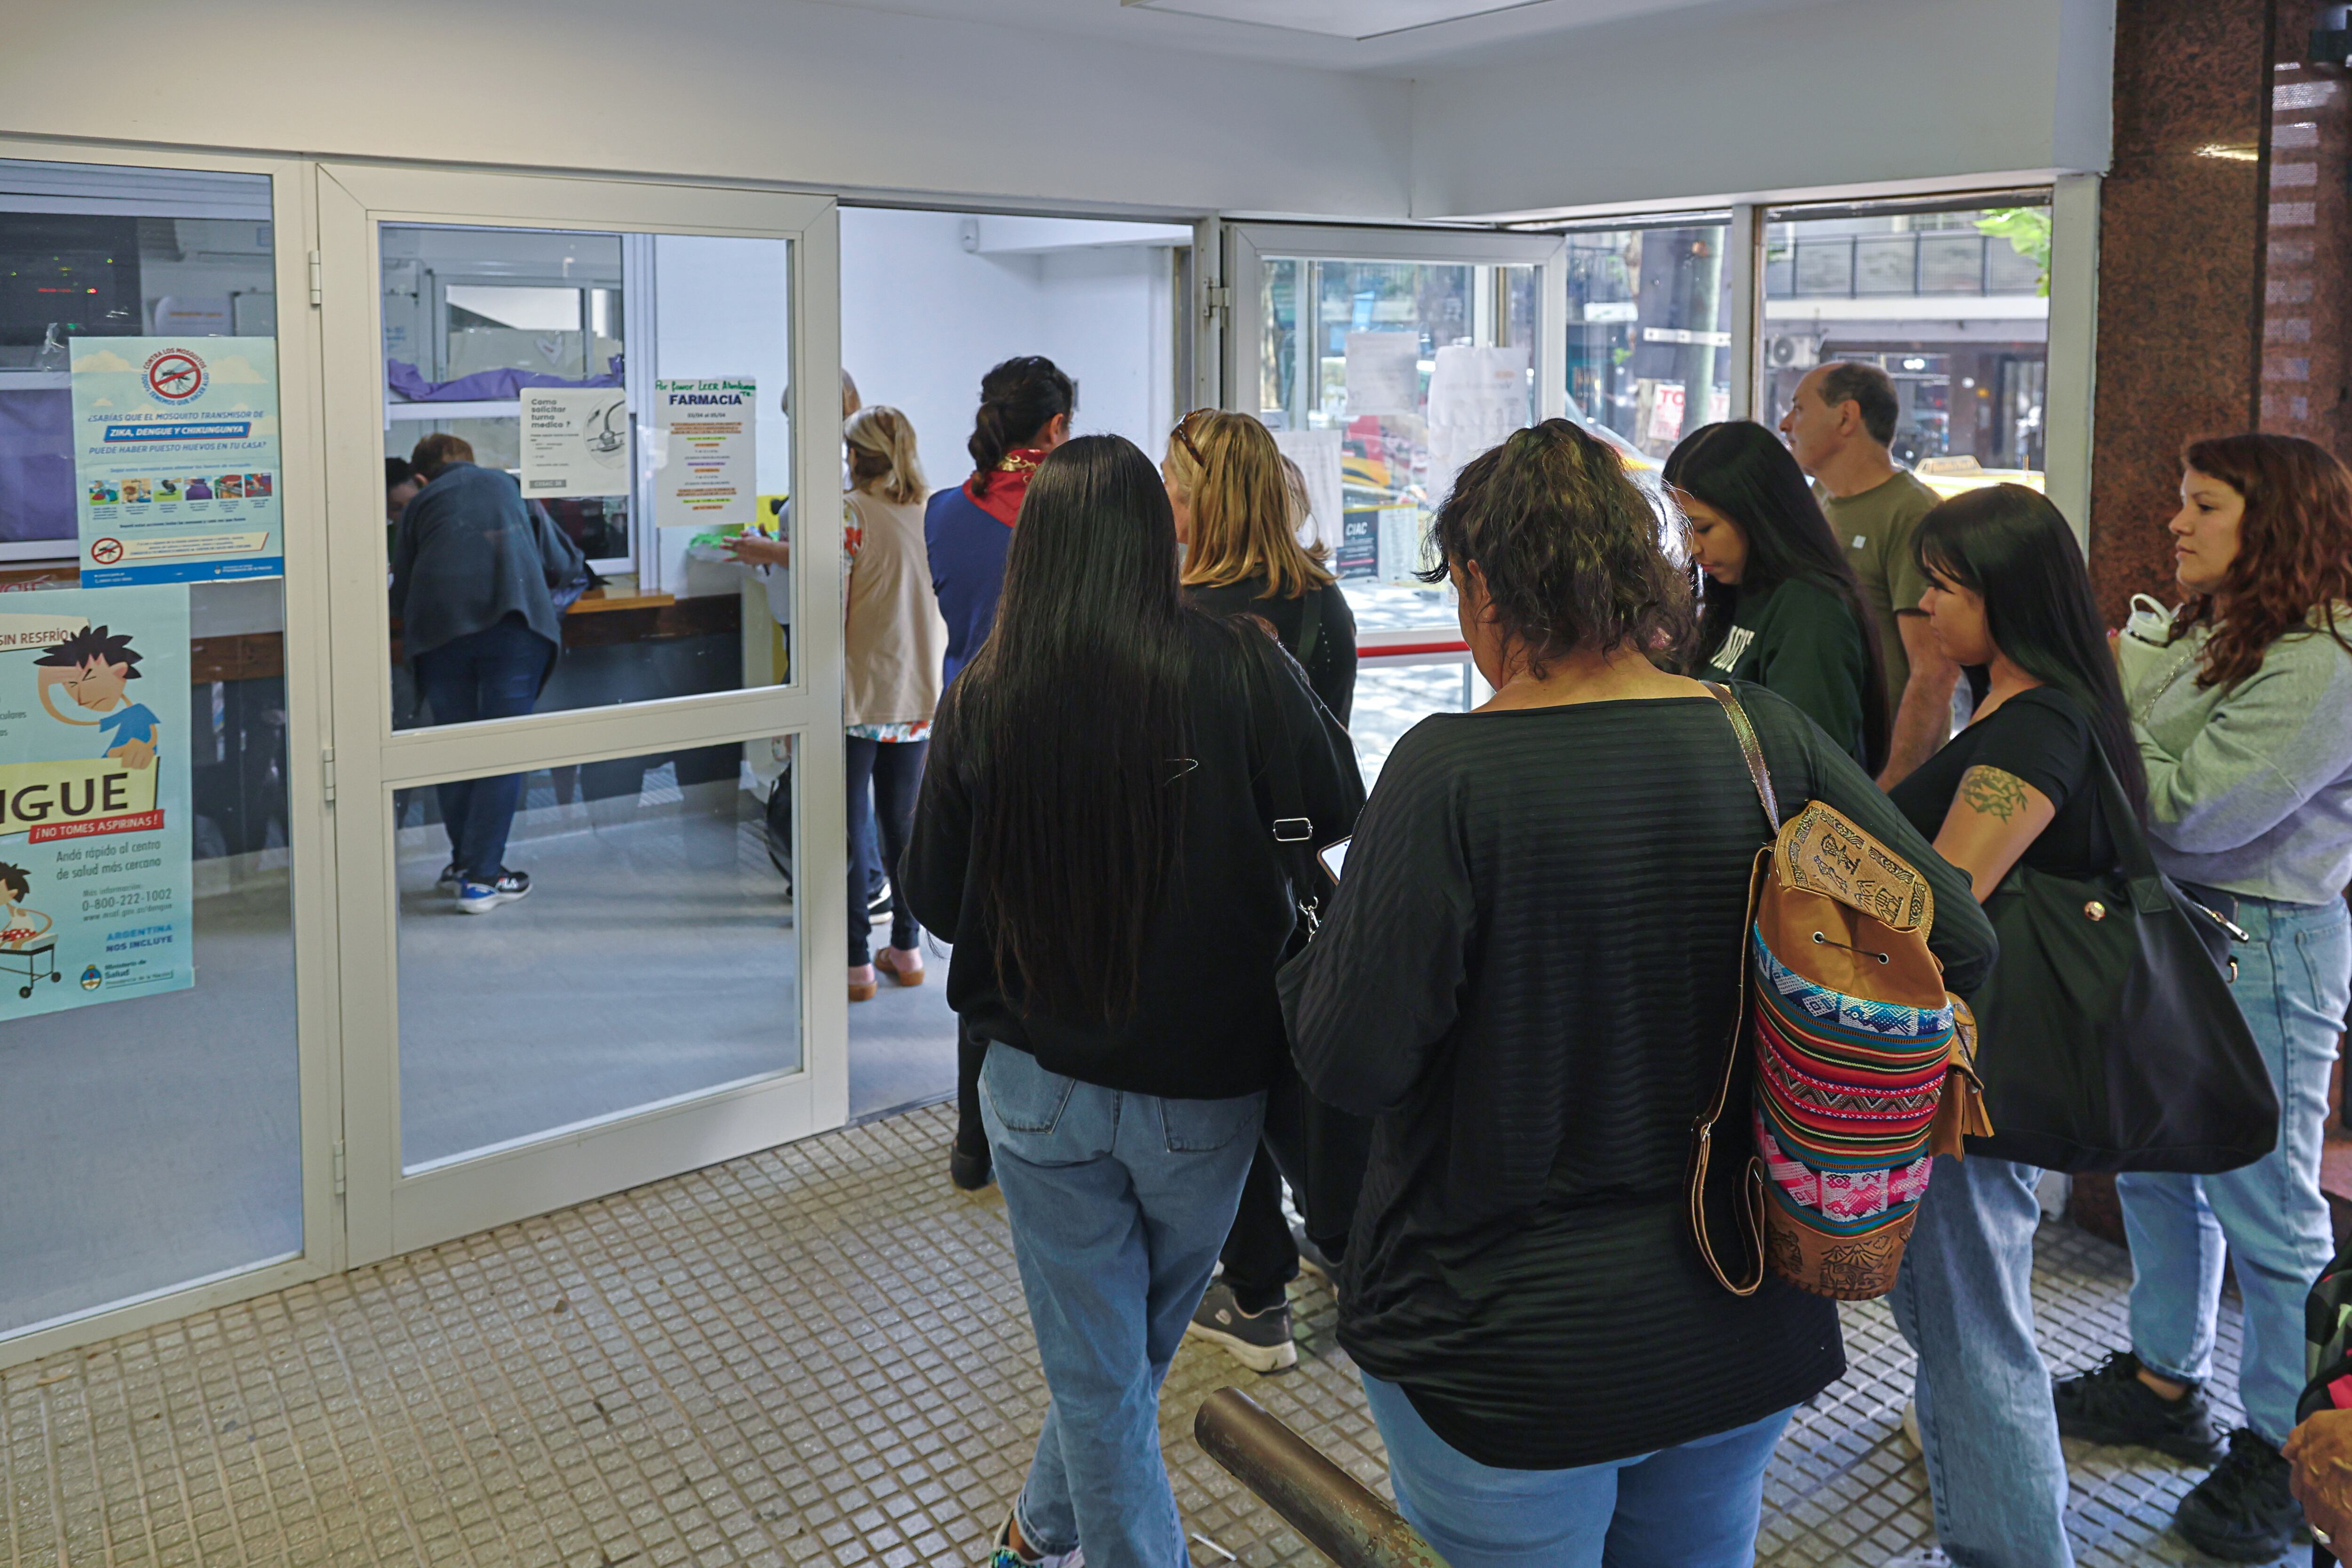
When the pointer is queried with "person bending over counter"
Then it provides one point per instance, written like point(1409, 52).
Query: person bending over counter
point(473, 572)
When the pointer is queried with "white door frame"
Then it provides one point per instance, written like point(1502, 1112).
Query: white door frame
point(1249, 243)
point(389, 1212)
point(301, 497)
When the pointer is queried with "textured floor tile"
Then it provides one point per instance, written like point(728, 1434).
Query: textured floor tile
point(813, 1355)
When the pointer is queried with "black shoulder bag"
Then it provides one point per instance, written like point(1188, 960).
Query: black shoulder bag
point(2109, 1040)
point(1321, 1150)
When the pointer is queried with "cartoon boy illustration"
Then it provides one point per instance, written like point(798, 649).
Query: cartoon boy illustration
point(19, 926)
point(94, 667)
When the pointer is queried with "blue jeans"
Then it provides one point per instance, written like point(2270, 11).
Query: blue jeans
point(494, 673)
point(884, 777)
point(1695, 1505)
point(1964, 1300)
point(1119, 1204)
point(2271, 1215)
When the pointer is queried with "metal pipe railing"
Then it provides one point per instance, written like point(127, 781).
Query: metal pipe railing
point(1339, 1515)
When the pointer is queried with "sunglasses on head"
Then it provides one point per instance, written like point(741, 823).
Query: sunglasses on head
point(1183, 435)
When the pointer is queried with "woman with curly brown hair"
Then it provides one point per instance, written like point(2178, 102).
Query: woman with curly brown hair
point(1527, 974)
point(2242, 708)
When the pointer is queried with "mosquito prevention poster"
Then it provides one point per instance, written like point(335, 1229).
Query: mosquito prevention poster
point(175, 459)
point(95, 875)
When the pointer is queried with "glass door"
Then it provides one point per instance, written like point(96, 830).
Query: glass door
point(588, 754)
point(1383, 361)
point(166, 944)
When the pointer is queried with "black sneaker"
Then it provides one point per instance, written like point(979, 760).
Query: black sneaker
point(2109, 1403)
point(450, 876)
point(1259, 1340)
point(2242, 1512)
point(969, 1172)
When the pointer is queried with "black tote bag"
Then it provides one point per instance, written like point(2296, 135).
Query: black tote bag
point(2109, 1040)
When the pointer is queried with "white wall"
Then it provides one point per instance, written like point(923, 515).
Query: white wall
point(923, 320)
point(777, 90)
point(1726, 104)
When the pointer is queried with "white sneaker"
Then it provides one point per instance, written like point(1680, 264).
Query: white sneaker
point(1921, 1557)
point(1911, 1428)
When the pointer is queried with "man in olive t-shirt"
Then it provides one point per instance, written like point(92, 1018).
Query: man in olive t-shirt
point(1838, 426)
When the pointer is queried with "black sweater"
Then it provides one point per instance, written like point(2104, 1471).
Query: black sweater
point(1529, 972)
point(1207, 1027)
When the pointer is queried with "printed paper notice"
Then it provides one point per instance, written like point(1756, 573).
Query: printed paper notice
point(1384, 374)
point(705, 471)
point(1316, 453)
point(575, 441)
point(95, 874)
point(175, 459)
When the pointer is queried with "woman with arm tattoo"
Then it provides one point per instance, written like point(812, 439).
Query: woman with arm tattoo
point(2006, 591)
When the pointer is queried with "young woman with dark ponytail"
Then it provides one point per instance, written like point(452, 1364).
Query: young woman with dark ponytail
point(1024, 413)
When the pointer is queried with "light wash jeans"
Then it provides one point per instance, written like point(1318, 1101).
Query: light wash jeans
point(2292, 980)
point(1964, 1300)
point(1695, 1505)
point(1119, 1204)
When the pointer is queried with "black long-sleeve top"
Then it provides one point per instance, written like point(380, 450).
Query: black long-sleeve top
point(1529, 972)
point(1208, 1025)
point(1330, 664)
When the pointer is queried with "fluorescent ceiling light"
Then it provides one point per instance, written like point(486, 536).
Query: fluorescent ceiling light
point(1357, 19)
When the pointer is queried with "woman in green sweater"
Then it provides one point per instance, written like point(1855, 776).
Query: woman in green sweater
point(1779, 604)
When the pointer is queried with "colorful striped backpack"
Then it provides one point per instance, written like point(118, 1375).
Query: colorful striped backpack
point(1861, 1063)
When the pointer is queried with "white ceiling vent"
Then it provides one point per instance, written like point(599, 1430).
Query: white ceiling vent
point(1356, 19)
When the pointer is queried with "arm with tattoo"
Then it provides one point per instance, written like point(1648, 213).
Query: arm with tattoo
point(1995, 816)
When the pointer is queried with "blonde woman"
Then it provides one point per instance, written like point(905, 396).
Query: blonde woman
point(1238, 516)
point(892, 644)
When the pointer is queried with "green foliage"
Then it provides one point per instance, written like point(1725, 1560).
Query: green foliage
point(2027, 229)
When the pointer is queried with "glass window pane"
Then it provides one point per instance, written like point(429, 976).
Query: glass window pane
point(1385, 355)
point(150, 1103)
point(1957, 315)
point(1392, 699)
point(659, 936)
point(1649, 313)
point(631, 389)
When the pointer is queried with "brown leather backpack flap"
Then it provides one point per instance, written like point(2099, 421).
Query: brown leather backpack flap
point(1831, 942)
point(1825, 851)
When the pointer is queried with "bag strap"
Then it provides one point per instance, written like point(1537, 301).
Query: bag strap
point(1760, 774)
point(1293, 830)
point(2133, 853)
point(1751, 1185)
point(1311, 625)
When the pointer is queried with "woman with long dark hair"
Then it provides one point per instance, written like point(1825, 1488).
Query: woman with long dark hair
point(1529, 974)
point(2241, 706)
point(2007, 591)
point(1095, 837)
point(1025, 406)
point(1779, 603)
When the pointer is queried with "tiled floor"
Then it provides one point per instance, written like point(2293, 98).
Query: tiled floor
point(813, 1355)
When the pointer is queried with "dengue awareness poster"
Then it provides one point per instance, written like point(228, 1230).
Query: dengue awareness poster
point(175, 459)
point(575, 441)
point(705, 471)
point(95, 881)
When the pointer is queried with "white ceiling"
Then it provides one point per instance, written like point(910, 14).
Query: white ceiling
point(1499, 25)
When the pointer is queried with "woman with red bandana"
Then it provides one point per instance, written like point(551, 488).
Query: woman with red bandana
point(1024, 413)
